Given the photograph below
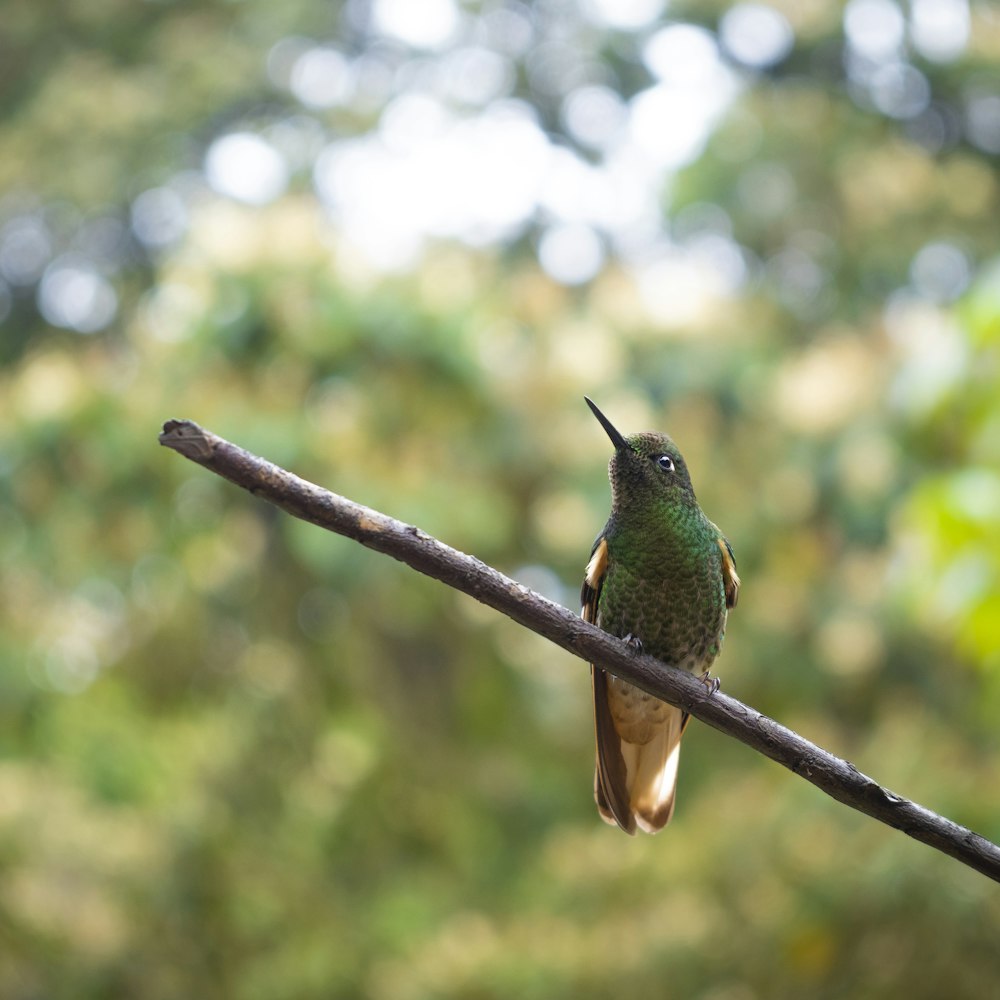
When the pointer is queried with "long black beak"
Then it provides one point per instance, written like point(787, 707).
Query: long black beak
point(616, 438)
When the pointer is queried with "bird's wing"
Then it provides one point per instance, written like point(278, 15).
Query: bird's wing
point(610, 788)
point(730, 577)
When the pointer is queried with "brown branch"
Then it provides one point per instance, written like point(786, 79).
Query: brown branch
point(838, 778)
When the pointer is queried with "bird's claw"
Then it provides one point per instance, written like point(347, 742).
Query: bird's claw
point(712, 684)
point(633, 641)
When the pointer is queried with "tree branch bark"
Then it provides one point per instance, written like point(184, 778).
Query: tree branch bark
point(838, 778)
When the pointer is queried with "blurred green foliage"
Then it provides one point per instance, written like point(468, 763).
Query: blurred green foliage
point(241, 758)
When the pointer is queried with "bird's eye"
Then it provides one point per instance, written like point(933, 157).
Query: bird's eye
point(666, 463)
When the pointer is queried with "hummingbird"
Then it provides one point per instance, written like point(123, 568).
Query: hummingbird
point(662, 577)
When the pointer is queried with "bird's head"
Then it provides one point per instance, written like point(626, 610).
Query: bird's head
point(646, 467)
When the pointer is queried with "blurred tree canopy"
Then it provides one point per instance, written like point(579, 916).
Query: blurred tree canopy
point(390, 246)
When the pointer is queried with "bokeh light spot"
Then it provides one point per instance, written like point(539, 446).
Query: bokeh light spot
point(682, 54)
point(475, 76)
point(74, 296)
point(430, 24)
point(594, 116)
point(71, 664)
point(756, 35)
point(411, 122)
point(939, 29)
point(900, 90)
point(246, 167)
point(572, 253)
point(874, 28)
point(672, 124)
point(940, 272)
point(321, 78)
point(159, 217)
point(25, 249)
point(626, 15)
point(982, 121)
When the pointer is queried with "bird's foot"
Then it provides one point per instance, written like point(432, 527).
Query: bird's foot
point(712, 684)
point(634, 641)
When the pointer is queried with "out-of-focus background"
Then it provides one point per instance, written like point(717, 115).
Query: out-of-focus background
point(390, 244)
